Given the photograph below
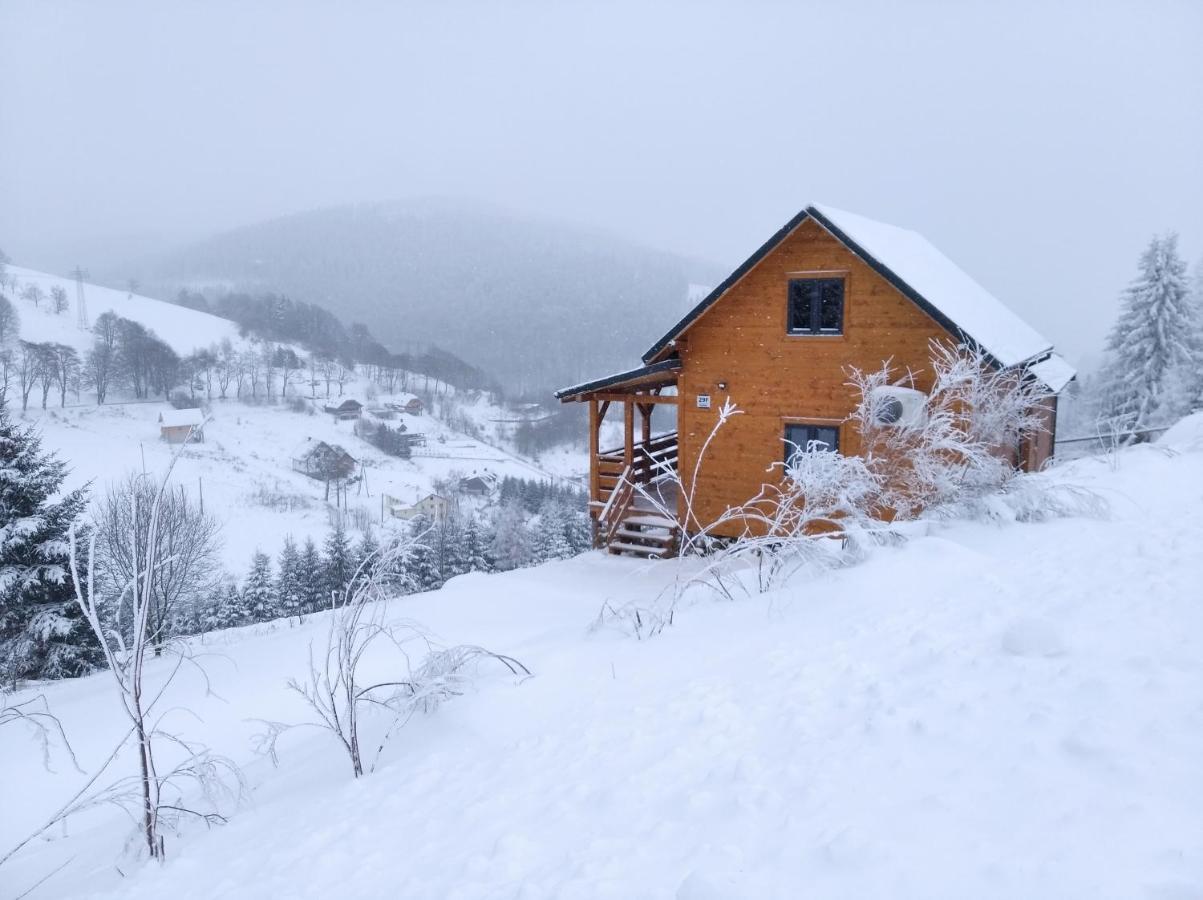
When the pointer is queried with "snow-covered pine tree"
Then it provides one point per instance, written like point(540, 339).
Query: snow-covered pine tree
point(338, 564)
point(289, 587)
point(422, 565)
point(1152, 340)
point(476, 544)
point(453, 557)
point(313, 579)
point(512, 543)
point(42, 633)
point(578, 529)
point(225, 610)
point(551, 541)
point(367, 554)
point(259, 598)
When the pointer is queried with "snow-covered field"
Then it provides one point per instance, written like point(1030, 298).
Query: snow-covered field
point(244, 467)
point(986, 711)
point(184, 329)
point(244, 470)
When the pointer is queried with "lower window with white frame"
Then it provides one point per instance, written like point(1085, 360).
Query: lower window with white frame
point(806, 437)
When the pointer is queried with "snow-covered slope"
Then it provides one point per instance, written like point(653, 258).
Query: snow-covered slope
point(987, 711)
point(243, 470)
point(184, 329)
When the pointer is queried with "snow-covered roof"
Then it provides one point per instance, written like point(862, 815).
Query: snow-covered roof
point(920, 271)
point(180, 418)
point(1053, 372)
point(945, 285)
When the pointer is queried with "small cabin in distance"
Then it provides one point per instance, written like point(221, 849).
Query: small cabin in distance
point(829, 291)
point(348, 409)
point(410, 404)
point(177, 426)
point(433, 506)
point(325, 462)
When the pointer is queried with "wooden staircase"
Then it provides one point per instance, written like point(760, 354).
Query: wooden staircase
point(628, 522)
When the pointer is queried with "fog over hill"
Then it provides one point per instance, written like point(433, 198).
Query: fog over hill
point(535, 303)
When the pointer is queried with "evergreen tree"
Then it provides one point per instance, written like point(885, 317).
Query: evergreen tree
point(511, 547)
point(453, 559)
point(367, 555)
point(42, 633)
point(259, 598)
point(339, 563)
point(289, 586)
point(422, 567)
point(579, 530)
point(551, 539)
point(313, 579)
point(1152, 340)
point(475, 542)
point(226, 609)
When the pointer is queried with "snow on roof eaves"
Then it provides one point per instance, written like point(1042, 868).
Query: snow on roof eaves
point(943, 284)
point(177, 418)
point(920, 271)
point(1053, 372)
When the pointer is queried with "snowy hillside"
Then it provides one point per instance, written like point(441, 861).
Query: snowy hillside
point(244, 470)
point(184, 329)
point(986, 711)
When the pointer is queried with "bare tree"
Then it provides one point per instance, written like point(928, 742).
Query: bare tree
point(29, 368)
point(158, 797)
point(10, 322)
point(338, 687)
point(33, 293)
point(184, 541)
point(58, 299)
point(253, 370)
point(226, 367)
point(286, 360)
point(65, 362)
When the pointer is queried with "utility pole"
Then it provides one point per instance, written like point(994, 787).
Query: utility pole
point(81, 304)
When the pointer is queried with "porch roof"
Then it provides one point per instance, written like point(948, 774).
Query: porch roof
point(645, 378)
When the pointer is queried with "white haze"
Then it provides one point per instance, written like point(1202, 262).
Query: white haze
point(1040, 145)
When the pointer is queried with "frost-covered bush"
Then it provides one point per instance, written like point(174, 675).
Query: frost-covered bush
point(962, 446)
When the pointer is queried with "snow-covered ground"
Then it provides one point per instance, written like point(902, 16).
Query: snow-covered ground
point(182, 328)
point(244, 467)
point(986, 711)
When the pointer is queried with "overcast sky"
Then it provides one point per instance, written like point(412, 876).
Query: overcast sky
point(1039, 145)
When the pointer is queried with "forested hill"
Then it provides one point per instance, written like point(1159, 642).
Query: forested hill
point(536, 304)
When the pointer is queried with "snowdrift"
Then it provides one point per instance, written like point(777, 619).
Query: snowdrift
point(985, 711)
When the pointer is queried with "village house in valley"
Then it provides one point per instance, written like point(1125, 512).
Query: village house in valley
point(179, 425)
point(828, 292)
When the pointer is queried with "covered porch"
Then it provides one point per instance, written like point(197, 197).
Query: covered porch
point(633, 494)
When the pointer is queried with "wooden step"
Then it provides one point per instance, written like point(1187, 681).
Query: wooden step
point(650, 537)
point(650, 520)
point(636, 549)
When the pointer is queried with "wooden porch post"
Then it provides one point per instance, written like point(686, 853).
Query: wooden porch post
point(645, 413)
point(628, 430)
point(594, 448)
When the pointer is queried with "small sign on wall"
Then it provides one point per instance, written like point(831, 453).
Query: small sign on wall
point(703, 401)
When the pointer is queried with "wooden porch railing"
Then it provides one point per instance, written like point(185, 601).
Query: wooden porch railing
point(649, 461)
point(617, 483)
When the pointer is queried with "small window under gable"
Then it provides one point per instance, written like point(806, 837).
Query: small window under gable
point(803, 437)
point(816, 306)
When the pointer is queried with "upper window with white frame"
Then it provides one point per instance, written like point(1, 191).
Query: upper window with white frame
point(816, 306)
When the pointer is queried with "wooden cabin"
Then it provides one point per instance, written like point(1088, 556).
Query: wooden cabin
point(325, 462)
point(348, 409)
point(830, 290)
point(177, 426)
point(410, 404)
point(434, 506)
